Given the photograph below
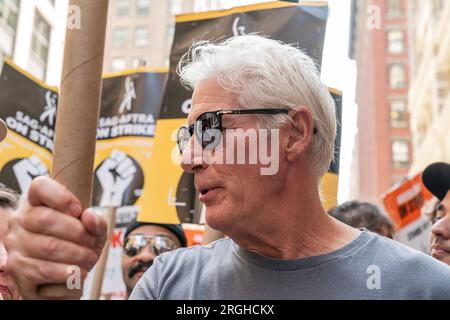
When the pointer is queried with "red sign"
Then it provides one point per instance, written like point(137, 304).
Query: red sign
point(404, 203)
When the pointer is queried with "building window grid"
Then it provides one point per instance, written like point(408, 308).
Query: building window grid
point(395, 40)
point(41, 38)
point(398, 113)
point(400, 152)
point(397, 75)
point(394, 8)
point(141, 37)
point(123, 8)
point(143, 7)
point(9, 12)
point(120, 37)
point(118, 64)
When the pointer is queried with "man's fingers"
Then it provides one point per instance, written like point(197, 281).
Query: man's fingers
point(53, 249)
point(46, 221)
point(97, 226)
point(58, 292)
point(34, 272)
point(47, 192)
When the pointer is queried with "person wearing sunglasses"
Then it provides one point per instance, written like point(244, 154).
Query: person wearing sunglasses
point(143, 242)
point(281, 243)
point(436, 177)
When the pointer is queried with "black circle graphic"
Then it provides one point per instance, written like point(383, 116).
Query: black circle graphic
point(131, 194)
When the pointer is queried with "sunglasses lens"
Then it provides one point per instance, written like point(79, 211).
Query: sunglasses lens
point(207, 130)
point(162, 244)
point(134, 244)
point(183, 137)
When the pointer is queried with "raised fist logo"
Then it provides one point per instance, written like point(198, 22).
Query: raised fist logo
point(26, 170)
point(115, 175)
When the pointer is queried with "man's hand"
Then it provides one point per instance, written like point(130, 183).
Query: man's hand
point(49, 234)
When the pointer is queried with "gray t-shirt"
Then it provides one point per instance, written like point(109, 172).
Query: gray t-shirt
point(370, 267)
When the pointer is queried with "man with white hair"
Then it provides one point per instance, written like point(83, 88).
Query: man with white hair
point(281, 243)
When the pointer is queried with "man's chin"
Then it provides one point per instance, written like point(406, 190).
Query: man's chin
point(217, 218)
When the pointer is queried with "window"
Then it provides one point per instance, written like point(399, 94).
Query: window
point(9, 10)
point(400, 152)
point(118, 64)
point(395, 41)
point(139, 62)
point(142, 7)
point(123, 8)
point(397, 76)
point(120, 37)
point(41, 37)
point(394, 8)
point(141, 37)
point(399, 117)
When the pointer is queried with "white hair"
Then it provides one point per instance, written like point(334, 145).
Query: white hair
point(266, 73)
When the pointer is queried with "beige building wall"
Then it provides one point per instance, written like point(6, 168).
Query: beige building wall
point(129, 22)
point(429, 96)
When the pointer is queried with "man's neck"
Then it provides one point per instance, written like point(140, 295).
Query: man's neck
point(294, 227)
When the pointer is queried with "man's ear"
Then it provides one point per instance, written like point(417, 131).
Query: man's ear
point(301, 133)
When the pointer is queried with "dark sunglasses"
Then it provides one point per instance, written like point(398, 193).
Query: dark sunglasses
point(208, 127)
point(135, 243)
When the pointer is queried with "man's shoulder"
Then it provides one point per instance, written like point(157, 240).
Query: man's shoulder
point(402, 253)
point(409, 264)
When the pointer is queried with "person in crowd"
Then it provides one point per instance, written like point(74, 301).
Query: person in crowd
point(249, 91)
point(436, 178)
point(143, 242)
point(8, 203)
point(364, 215)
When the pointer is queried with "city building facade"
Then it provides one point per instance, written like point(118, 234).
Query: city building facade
point(429, 96)
point(32, 35)
point(383, 149)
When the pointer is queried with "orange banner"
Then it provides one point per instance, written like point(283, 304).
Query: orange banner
point(405, 202)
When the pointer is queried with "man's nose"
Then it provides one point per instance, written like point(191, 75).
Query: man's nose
point(442, 227)
point(192, 157)
point(146, 255)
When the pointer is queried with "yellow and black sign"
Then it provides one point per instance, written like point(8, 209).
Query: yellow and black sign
point(330, 181)
point(131, 103)
point(28, 107)
point(172, 196)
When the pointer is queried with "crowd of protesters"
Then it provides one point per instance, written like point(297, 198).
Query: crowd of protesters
point(280, 244)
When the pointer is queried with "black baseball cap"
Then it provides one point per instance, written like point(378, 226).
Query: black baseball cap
point(176, 229)
point(3, 130)
point(436, 177)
